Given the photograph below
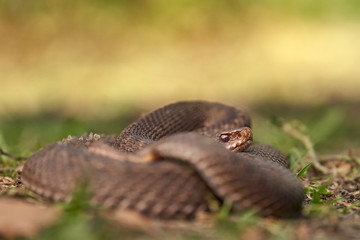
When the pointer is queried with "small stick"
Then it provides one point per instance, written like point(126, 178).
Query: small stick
point(287, 128)
point(342, 157)
point(2, 152)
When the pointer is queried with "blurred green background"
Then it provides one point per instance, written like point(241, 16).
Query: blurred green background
point(70, 66)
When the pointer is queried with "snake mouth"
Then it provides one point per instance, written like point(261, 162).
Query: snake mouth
point(237, 139)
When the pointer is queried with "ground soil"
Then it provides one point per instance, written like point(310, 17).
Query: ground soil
point(338, 216)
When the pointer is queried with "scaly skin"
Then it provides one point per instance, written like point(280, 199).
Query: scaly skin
point(166, 163)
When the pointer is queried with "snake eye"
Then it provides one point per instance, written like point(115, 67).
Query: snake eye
point(224, 138)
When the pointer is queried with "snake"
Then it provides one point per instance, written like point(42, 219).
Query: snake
point(171, 163)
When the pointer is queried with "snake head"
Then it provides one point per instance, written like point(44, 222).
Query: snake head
point(237, 139)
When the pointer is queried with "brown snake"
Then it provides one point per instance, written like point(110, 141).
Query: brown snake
point(165, 164)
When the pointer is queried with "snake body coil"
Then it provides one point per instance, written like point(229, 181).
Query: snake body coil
point(186, 164)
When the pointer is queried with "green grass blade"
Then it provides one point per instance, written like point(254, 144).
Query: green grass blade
point(303, 170)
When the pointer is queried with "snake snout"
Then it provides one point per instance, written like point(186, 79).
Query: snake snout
point(237, 139)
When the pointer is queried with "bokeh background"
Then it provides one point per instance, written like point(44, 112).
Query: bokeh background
point(100, 59)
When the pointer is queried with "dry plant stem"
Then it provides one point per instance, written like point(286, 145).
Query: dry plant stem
point(308, 144)
point(6, 154)
point(342, 157)
point(12, 156)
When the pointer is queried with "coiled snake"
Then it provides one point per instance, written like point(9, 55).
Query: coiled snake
point(165, 164)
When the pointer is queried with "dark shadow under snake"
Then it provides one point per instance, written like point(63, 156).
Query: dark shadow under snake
point(165, 164)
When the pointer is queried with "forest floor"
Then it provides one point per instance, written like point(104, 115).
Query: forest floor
point(331, 207)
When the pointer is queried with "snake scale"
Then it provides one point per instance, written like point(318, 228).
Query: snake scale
point(167, 163)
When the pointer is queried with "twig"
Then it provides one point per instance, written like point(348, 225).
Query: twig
point(307, 143)
point(7, 154)
point(342, 157)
